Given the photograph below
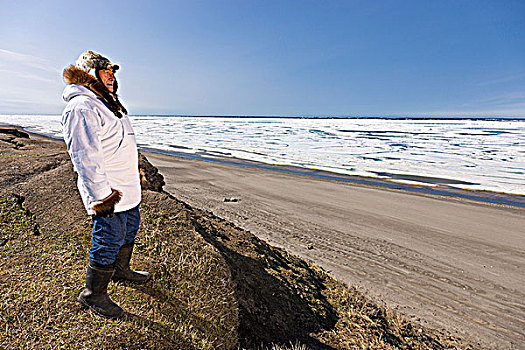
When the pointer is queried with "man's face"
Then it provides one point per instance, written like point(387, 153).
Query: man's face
point(108, 78)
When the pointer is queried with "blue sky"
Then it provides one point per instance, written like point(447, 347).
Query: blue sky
point(247, 57)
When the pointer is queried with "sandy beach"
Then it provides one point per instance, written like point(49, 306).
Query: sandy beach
point(445, 263)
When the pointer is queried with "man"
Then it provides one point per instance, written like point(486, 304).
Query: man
point(103, 149)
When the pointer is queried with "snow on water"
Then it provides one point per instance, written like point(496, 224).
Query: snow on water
point(475, 154)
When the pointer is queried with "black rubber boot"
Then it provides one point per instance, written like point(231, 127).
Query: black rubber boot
point(122, 270)
point(95, 296)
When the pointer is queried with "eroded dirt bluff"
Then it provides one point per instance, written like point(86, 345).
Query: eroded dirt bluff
point(215, 285)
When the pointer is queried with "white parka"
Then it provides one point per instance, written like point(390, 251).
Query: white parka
point(102, 147)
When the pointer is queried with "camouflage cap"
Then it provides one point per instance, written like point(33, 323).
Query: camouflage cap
point(91, 61)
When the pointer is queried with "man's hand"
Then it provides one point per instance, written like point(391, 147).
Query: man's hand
point(106, 207)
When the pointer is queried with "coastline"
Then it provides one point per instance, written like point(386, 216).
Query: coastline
point(424, 185)
point(443, 262)
point(403, 182)
point(482, 157)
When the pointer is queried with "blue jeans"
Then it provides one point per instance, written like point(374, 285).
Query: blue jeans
point(112, 232)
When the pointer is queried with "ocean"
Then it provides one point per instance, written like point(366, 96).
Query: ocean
point(477, 154)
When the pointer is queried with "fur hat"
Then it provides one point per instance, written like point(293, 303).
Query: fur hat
point(85, 72)
point(91, 62)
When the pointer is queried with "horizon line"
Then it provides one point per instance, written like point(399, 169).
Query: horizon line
point(310, 116)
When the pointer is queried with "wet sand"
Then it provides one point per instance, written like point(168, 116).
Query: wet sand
point(442, 262)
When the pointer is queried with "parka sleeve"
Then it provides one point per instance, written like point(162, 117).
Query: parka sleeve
point(82, 132)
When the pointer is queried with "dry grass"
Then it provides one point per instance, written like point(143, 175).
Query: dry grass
point(290, 346)
point(189, 305)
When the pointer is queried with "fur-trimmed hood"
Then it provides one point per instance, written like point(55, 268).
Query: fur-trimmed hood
point(75, 75)
point(73, 90)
